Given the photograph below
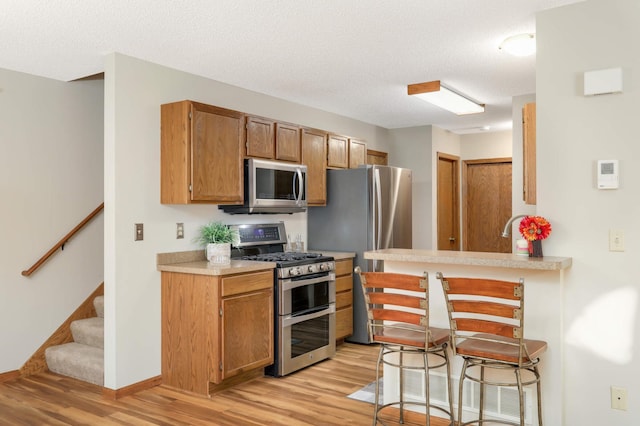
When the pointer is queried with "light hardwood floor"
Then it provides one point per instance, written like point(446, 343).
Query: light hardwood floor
point(316, 395)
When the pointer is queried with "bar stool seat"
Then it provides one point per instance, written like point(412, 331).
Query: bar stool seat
point(398, 319)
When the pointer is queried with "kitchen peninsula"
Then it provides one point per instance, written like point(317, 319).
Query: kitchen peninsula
point(544, 313)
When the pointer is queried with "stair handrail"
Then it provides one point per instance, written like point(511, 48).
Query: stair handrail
point(63, 241)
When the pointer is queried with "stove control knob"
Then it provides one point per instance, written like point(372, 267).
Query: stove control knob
point(294, 271)
point(324, 267)
point(310, 268)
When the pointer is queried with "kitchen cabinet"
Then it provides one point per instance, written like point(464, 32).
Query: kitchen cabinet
point(288, 142)
point(357, 153)
point(314, 156)
point(344, 298)
point(200, 154)
point(272, 140)
point(377, 157)
point(261, 141)
point(216, 330)
point(529, 153)
point(338, 151)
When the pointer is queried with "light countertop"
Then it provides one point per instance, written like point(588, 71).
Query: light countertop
point(498, 260)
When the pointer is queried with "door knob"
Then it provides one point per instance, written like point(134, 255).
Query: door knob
point(452, 240)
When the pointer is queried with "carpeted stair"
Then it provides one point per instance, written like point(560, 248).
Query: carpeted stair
point(83, 358)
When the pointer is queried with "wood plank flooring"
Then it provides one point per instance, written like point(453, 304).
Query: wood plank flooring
point(314, 396)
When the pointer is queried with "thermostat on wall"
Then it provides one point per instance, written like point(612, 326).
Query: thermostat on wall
point(607, 174)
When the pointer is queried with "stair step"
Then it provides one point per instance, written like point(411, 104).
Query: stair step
point(98, 303)
point(76, 360)
point(89, 331)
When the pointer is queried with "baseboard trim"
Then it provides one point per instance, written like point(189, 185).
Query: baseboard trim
point(9, 375)
point(114, 394)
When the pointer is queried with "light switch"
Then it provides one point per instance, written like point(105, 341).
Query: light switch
point(139, 232)
point(179, 231)
point(616, 240)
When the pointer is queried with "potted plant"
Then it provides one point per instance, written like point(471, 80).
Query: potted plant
point(217, 239)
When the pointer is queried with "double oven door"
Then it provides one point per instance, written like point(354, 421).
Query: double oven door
point(306, 321)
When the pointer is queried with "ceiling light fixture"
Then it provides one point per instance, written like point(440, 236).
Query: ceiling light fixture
point(438, 95)
point(519, 45)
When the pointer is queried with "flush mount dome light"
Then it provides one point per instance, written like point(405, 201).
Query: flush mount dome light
point(438, 95)
point(519, 45)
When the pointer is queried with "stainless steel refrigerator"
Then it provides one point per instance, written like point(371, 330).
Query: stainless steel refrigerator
point(368, 208)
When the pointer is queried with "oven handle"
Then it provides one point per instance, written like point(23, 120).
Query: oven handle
point(288, 284)
point(290, 320)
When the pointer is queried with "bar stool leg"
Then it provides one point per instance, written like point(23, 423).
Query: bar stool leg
point(449, 388)
point(401, 388)
point(460, 389)
point(377, 396)
point(482, 388)
point(425, 362)
point(520, 395)
point(539, 391)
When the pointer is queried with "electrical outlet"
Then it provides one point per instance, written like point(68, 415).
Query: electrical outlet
point(139, 232)
point(179, 231)
point(618, 398)
point(616, 240)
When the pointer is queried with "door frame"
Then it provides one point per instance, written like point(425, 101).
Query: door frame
point(465, 166)
point(455, 160)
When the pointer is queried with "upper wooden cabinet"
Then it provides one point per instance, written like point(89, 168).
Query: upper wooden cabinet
point(288, 142)
point(200, 154)
point(529, 153)
point(338, 151)
point(272, 140)
point(314, 156)
point(377, 157)
point(261, 140)
point(357, 153)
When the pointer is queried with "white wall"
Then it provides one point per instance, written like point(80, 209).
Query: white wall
point(601, 333)
point(50, 179)
point(484, 145)
point(134, 91)
point(411, 148)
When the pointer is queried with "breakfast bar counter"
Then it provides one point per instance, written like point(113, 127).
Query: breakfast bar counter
point(544, 313)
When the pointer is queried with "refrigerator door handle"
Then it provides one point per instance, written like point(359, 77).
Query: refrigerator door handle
point(377, 234)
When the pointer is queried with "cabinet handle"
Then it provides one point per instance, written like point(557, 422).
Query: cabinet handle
point(451, 239)
point(220, 311)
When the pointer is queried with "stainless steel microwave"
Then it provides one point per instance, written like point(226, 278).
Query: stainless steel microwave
point(272, 187)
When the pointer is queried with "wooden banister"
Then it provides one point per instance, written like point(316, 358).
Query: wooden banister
point(63, 241)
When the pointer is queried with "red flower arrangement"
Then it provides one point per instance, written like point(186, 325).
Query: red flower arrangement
point(535, 228)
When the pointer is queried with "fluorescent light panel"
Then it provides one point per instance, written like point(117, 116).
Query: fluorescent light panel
point(438, 95)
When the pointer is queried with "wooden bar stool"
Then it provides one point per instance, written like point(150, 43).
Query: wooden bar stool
point(398, 319)
point(487, 330)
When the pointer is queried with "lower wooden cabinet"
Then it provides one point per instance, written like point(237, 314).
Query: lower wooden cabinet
point(215, 328)
point(344, 298)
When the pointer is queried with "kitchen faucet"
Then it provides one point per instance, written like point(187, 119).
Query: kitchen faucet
point(506, 232)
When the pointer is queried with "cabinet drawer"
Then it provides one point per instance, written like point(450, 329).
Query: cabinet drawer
point(344, 283)
point(344, 267)
point(246, 283)
point(344, 323)
point(344, 299)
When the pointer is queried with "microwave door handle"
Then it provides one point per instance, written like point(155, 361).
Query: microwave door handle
point(299, 177)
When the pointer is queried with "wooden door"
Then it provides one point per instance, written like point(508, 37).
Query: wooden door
point(487, 204)
point(448, 202)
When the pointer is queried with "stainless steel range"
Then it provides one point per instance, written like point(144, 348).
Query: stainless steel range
point(305, 295)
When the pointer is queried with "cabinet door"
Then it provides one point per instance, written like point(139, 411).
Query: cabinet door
point(287, 142)
point(216, 157)
point(338, 147)
point(314, 155)
point(529, 153)
point(357, 153)
point(247, 332)
point(260, 137)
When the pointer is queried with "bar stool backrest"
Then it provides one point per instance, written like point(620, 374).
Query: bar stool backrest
point(486, 310)
point(397, 307)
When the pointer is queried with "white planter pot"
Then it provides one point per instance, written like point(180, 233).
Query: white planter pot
point(219, 254)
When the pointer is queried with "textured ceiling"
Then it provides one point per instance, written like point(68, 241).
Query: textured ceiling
point(350, 57)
